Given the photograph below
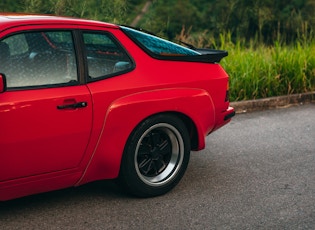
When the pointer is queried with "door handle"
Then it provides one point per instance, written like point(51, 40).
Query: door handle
point(78, 105)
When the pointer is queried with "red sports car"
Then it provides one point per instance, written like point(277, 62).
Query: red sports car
point(83, 100)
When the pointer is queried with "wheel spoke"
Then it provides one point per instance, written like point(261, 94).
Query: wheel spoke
point(146, 166)
point(160, 165)
point(150, 167)
point(155, 139)
point(144, 150)
point(144, 161)
point(164, 148)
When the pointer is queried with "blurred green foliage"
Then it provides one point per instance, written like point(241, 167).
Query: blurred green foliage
point(265, 20)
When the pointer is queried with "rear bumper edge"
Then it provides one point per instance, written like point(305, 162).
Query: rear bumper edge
point(230, 113)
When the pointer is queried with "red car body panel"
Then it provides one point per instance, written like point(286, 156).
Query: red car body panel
point(43, 148)
point(48, 152)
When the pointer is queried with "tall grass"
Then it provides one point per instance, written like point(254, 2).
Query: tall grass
point(270, 71)
point(260, 71)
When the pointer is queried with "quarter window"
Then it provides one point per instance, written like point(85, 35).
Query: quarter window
point(156, 45)
point(38, 59)
point(105, 57)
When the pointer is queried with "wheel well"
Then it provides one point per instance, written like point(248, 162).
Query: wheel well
point(192, 130)
point(190, 126)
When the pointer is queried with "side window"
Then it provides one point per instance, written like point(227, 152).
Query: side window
point(105, 56)
point(158, 45)
point(38, 59)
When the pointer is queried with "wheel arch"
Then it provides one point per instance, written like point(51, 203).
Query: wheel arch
point(188, 121)
point(126, 113)
point(189, 124)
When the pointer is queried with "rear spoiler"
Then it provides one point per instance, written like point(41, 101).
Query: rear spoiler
point(206, 55)
point(211, 55)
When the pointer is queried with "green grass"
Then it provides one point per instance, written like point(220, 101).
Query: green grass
point(270, 71)
point(260, 71)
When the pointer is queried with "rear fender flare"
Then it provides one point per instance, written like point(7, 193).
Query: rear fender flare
point(127, 112)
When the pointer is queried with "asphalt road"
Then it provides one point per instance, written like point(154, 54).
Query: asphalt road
point(258, 172)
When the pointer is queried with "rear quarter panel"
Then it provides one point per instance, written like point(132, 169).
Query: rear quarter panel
point(127, 112)
point(154, 86)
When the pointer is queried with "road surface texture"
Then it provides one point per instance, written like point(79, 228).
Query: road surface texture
point(258, 172)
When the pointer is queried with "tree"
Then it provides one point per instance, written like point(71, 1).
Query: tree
point(11, 6)
point(266, 20)
point(104, 10)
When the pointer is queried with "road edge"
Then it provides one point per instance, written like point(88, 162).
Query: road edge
point(273, 102)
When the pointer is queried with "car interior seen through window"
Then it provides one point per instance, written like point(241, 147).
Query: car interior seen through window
point(41, 58)
point(104, 56)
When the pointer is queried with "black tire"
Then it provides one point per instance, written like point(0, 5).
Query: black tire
point(156, 156)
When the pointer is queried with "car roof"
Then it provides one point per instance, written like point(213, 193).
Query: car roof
point(17, 19)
